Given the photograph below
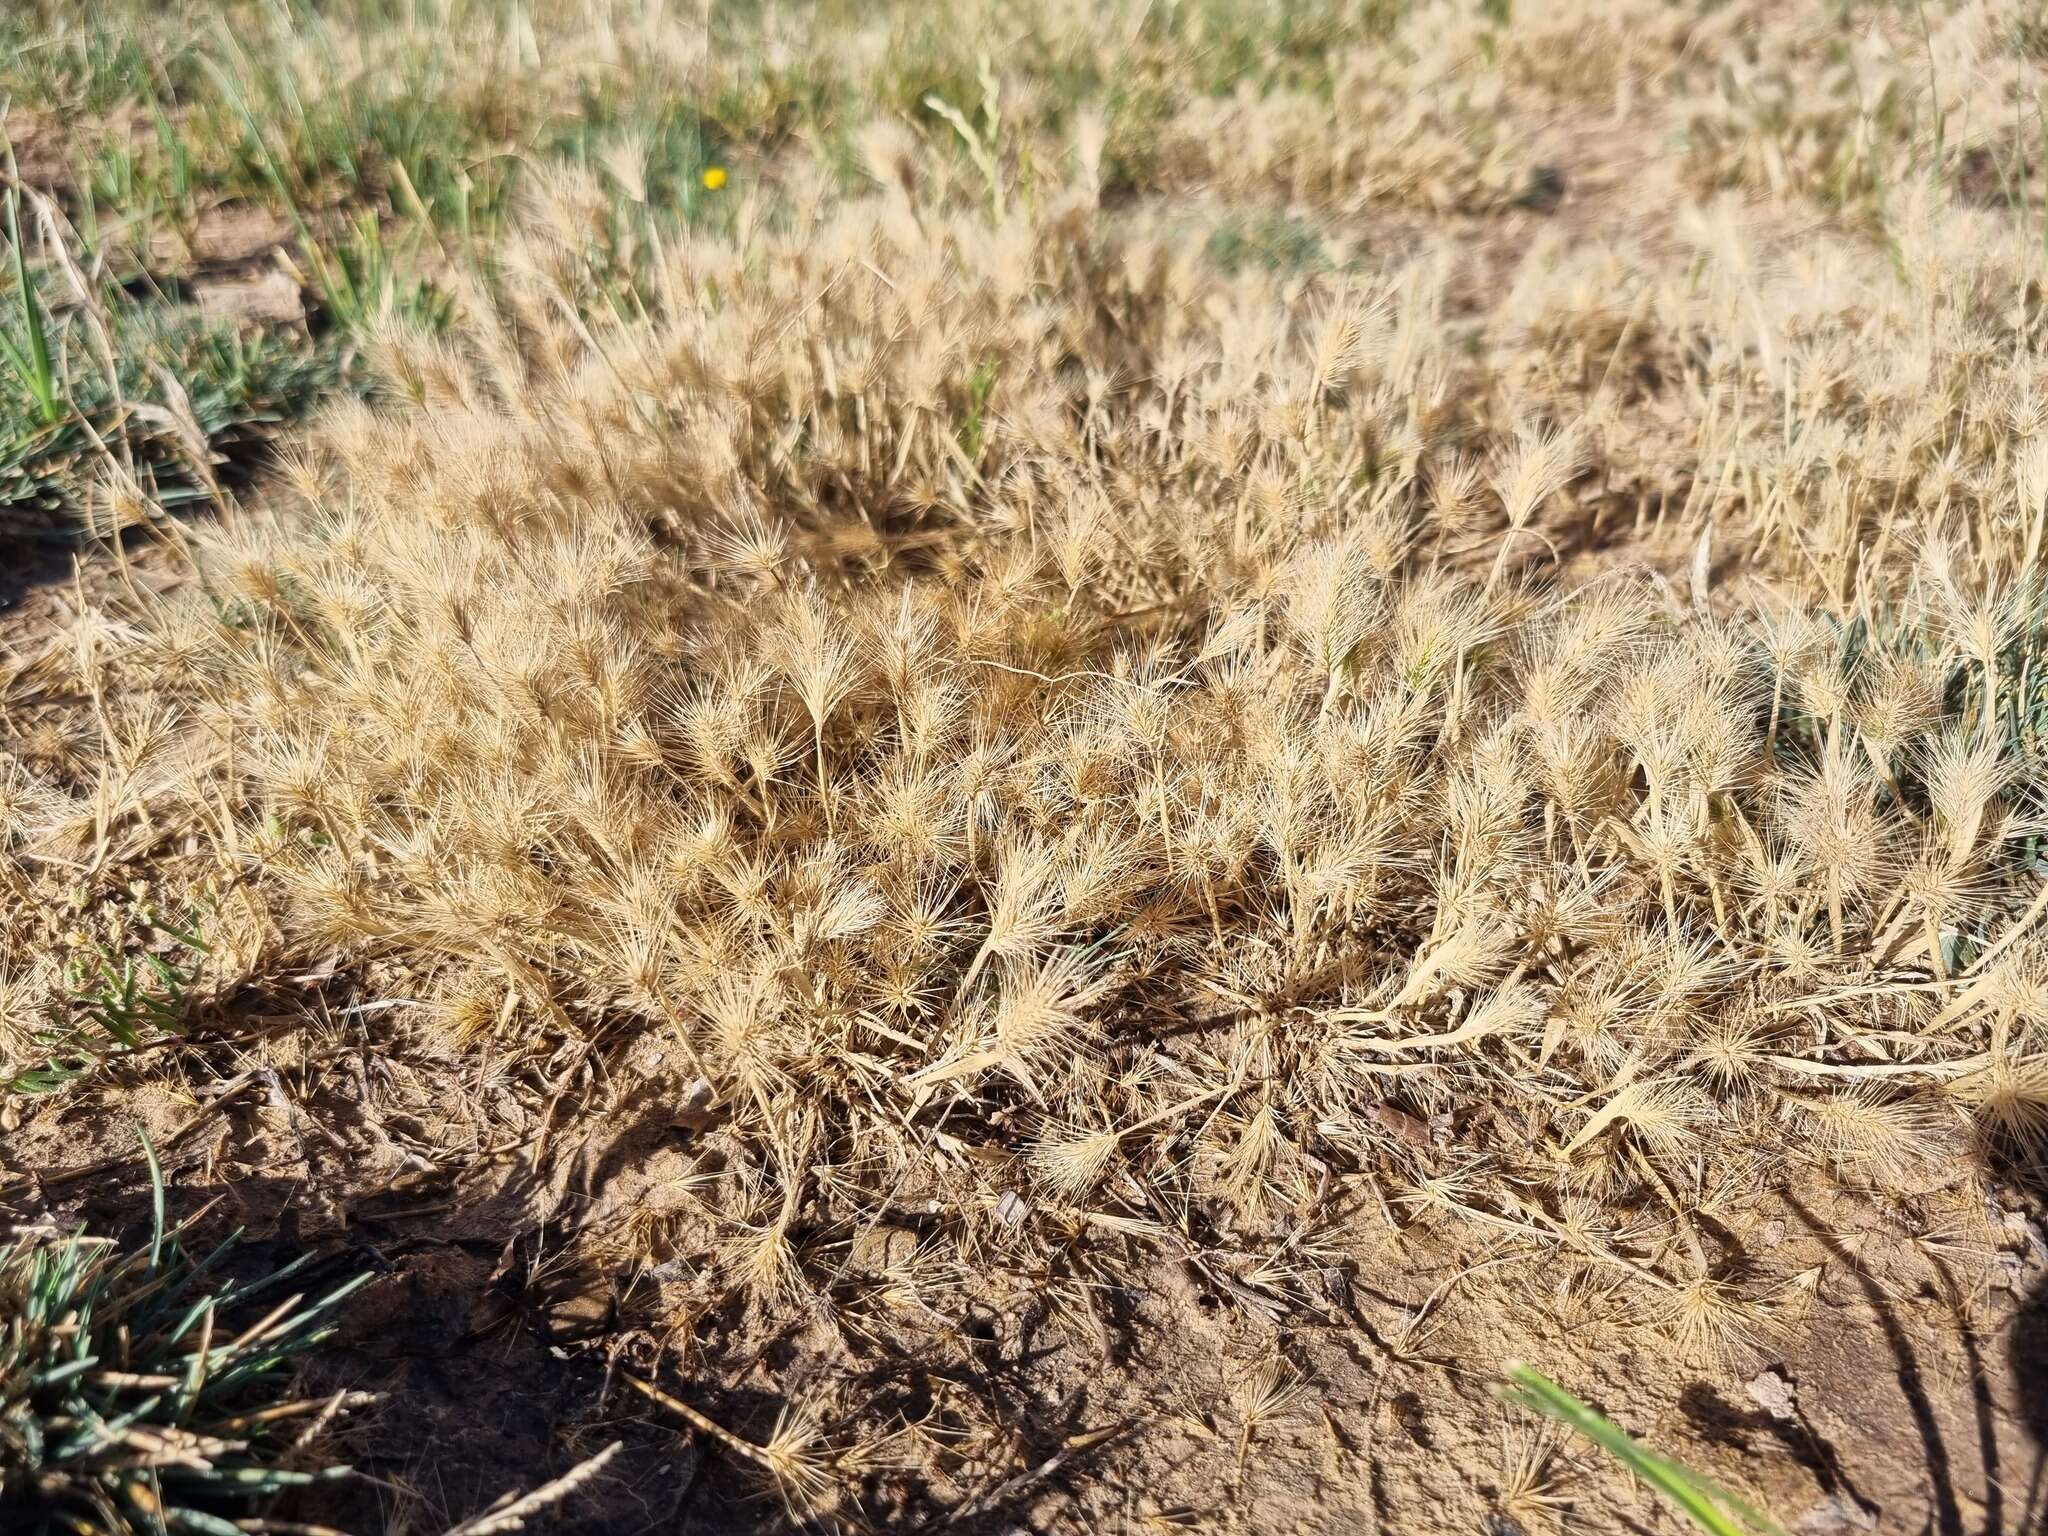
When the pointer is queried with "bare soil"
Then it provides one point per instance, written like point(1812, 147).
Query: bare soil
point(1901, 1384)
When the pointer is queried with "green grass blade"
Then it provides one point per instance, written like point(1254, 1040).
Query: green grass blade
point(156, 1199)
point(1711, 1508)
point(38, 374)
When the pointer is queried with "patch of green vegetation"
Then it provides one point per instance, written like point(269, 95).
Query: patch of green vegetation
point(973, 433)
point(64, 416)
point(136, 184)
point(924, 62)
point(1991, 666)
point(655, 152)
point(1265, 46)
point(116, 1003)
point(142, 1392)
point(1269, 239)
point(358, 278)
point(72, 65)
point(395, 139)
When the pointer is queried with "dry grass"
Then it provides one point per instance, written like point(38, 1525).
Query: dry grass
point(1081, 750)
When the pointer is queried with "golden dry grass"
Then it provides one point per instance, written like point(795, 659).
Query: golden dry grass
point(1085, 748)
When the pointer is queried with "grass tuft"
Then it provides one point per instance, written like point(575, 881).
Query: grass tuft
point(143, 1391)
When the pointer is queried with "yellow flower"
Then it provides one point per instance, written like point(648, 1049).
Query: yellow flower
point(714, 176)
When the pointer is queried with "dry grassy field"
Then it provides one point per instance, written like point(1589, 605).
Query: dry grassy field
point(1034, 767)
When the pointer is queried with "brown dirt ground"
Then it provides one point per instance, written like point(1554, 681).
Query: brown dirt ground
point(1902, 1384)
point(232, 262)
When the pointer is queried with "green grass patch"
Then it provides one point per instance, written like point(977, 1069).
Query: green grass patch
point(116, 1002)
point(142, 1392)
point(176, 375)
point(1268, 239)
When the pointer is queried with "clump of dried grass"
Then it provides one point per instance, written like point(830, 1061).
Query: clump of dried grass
point(692, 674)
point(1078, 745)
